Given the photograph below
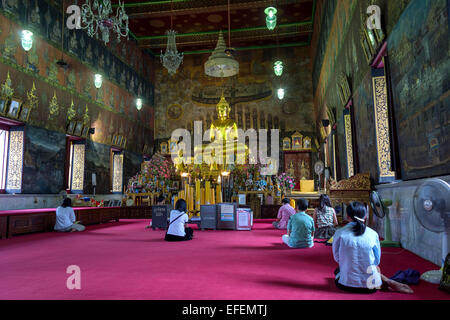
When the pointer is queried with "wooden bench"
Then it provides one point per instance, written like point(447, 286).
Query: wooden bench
point(14, 222)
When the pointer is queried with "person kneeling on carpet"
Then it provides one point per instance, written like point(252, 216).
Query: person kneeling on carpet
point(356, 248)
point(177, 227)
point(325, 219)
point(300, 228)
point(284, 214)
point(65, 218)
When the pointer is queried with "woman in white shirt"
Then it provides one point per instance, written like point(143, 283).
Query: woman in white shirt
point(177, 227)
point(65, 218)
point(356, 248)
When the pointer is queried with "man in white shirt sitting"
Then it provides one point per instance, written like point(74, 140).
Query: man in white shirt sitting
point(65, 218)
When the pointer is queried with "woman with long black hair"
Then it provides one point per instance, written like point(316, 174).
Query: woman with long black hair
point(356, 248)
point(325, 219)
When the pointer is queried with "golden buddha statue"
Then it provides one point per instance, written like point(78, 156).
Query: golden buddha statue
point(224, 148)
point(224, 128)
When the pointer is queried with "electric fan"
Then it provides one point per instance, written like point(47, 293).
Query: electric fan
point(381, 210)
point(432, 208)
point(318, 169)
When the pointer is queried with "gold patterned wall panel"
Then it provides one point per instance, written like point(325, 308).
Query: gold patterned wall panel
point(349, 145)
point(78, 159)
point(15, 161)
point(382, 128)
point(117, 172)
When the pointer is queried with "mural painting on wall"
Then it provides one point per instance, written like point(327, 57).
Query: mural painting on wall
point(421, 93)
point(57, 87)
point(250, 94)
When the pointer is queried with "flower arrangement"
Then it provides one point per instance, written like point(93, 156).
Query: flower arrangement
point(154, 174)
point(286, 182)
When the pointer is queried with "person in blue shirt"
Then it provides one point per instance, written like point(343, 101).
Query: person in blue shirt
point(356, 248)
point(300, 229)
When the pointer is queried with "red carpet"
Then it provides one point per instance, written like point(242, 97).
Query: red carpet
point(124, 261)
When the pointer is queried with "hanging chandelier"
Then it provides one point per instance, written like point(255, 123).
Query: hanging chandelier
point(98, 19)
point(171, 60)
point(221, 63)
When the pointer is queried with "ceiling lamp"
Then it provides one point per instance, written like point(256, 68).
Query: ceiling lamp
point(171, 60)
point(278, 68)
point(219, 64)
point(98, 16)
point(139, 104)
point(98, 80)
point(27, 40)
point(271, 19)
point(280, 93)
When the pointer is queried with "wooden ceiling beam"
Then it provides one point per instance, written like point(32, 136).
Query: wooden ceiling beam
point(213, 41)
point(188, 7)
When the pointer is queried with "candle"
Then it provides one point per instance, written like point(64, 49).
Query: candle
point(197, 195)
point(213, 196)
point(202, 196)
point(207, 192)
point(191, 199)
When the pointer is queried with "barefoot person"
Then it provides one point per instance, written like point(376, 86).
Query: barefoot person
point(325, 219)
point(178, 231)
point(356, 248)
point(284, 214)
point(65, 218)
point(300, 229)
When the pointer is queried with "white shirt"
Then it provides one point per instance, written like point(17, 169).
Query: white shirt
point(358, 257)
point(177, 227)
point(65, 217)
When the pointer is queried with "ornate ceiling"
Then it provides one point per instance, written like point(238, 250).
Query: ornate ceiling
point(198, 22)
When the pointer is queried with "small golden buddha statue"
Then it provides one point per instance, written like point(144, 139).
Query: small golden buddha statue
point(223, 128)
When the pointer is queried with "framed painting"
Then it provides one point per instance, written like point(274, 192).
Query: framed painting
point(14, 108)
point(163, 147)
point(78, 128)
point(286, 144)
point(119, 140)
point(379, 34)
point(307, 143)
point(172, 146)
point(297, 141)
point(3, 105)
point(85, 131)
point(24, 113)
point(366, 47)
point(372, 40)
point(70, 127)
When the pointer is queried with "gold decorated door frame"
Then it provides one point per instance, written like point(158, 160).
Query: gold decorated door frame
point(117, 171)
point(77, 164)
point(15, 151)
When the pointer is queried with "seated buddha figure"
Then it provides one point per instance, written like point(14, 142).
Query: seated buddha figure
point(224, 147)
point(223, 128)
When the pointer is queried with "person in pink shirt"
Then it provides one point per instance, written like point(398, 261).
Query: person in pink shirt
point(284, 214)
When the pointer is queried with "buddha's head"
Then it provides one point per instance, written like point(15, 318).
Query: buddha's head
point(223, 108)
